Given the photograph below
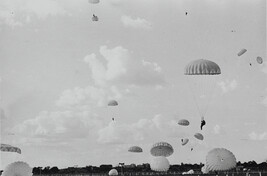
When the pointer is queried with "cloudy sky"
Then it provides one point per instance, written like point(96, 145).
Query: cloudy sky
point(59, 69)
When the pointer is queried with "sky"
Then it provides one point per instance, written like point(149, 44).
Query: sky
point(59, 69)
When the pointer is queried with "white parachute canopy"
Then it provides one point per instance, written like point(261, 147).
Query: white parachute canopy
point(199, 136)
point(220, 159)
point(204, 170)
point(113, 172)
point(160, 164)
point(18, 168)
point(161, 149)
point(135, 149)
point(183, 122)
point(185, 141)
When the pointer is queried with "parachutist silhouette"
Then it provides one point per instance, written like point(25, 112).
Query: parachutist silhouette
point(250, 64)
point(203, 122)
point(112, 119)
point(185, 13)
point(182, 140)
point(191, 149)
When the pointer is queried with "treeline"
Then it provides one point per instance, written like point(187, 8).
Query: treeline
point(105, 168)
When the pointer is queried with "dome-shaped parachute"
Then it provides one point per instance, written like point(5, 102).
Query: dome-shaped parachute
point(113, 172)
point(220, 159)
point(241, 52)
point(160, 164)
point(135, 149)
point(185, 141)
point(204, 170)
point(201, 75)
point(113, 103)
point(93, 1)
point(9, 148)
point(183, 122)
point(199, 136)
point(259, 60)
point(161, 149)
point(18, 168)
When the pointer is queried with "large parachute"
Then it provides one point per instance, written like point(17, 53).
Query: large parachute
point(201, 75)
point(220, 159)
point(10, 148)
point(183, 122)
point(161, 149)
point(113, 172)
point(18, 168)
point(135, 149)
point(160, 164)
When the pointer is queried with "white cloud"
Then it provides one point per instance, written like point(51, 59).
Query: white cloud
point(258, 136)
point(120, 68)
point(227, 85)
point(145, 130)
point(137, 23)
point(17, 12)
point(217, 129)
point(59, 125)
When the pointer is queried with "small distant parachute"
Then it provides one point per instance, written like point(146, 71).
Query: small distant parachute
point(259, 60)
point(220, 159)
point(135, 149)
point(112, 103)
point(161, 149)
point(183, 122)
point(185, 141)
point(93, 1)
point(18, 168)
point(199, 136)
point(241, 52)
point(9, 148)
point(160, 164)
point(113, 172)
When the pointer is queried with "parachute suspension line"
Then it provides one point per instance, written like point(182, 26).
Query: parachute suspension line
point(209, 98)
point(194, 95)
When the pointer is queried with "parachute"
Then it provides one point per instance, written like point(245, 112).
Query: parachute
point(135, 149)
point(183, 122)
point(94, 1)
point(241, 52)
point(220, 159)
point(199, 136)
point(9, 148)
point(113, 103)
point(259, 60)
point(18, 168)
point(113, 172)
point(185, 141)
point(160, 164)
point(201, 75)
point(161, 149)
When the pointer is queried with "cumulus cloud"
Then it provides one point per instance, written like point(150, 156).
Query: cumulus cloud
point(228, 86)
point(59, 125)
point(119, 67)
point(88, 96)
point(142, 130)
point(137, 23)
point(17, 12)
point(258, 136)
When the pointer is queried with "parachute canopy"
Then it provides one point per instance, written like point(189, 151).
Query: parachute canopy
point(241, 52)
point(93, 1)
point(220, 159)
point(185, 141)
point(135, 149)
point(18, 168)
point(160, 164)
point(112, 103)
point(259, 60)
point(9, 148)
point(183, 122)
point(199, 136)
point(202, 67)
point(113, 172)
point(161, 149)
